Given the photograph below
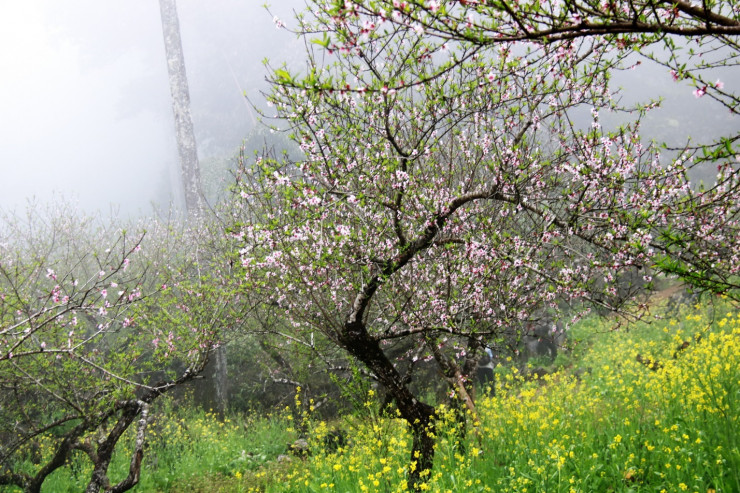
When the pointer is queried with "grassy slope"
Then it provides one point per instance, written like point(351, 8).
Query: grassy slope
point(654, 423)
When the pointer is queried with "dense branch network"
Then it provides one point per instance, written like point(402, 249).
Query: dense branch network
point(451, 190)
point(94, 328)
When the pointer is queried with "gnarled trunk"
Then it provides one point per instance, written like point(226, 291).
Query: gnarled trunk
point(419, 415)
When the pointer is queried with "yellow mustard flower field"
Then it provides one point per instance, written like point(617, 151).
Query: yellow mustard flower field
point(655, 408)
point(649, 407)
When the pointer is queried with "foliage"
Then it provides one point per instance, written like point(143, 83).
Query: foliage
point(95, 327)
point(448, 195)
point(191, 449)
point(623, 426)
point(269, 371)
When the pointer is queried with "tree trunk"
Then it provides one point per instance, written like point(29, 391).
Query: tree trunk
point(220, 380)
point(462, 388)
point(190, 171)
point(419, 415)
point(104, 454)
point(184, 133)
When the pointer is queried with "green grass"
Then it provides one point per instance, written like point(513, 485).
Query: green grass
point(619, 426)
point(192, 450)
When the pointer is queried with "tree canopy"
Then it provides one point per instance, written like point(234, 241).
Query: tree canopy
point(95, 325)
point(457, 183)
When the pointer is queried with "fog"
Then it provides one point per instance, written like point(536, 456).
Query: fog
point(85, 109)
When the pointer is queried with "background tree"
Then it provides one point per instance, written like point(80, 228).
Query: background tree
point(184, 133)
point(215, 392)
point(94, 327)
point(447, 195)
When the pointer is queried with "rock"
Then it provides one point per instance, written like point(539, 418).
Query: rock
point(299, 448)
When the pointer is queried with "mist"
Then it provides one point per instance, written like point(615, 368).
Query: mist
point(85, 108)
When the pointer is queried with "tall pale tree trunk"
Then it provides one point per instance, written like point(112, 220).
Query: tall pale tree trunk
point(212, 392)
point(184, 134)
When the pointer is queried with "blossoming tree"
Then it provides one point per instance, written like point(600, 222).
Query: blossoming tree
point(691, 39)
point(450, 191)
point(94, 326)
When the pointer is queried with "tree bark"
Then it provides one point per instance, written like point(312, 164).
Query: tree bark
point(184, 133)
point(220, 380)
point(419, 415)
point(189, 168)
point(460, 382)
point(102, 457)
point(58, 459)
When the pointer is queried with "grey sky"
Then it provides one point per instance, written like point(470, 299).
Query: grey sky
point(64, 123)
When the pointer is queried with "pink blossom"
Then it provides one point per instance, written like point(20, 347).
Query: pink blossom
point(56, 293)
point(719, 84)
point(699, 92)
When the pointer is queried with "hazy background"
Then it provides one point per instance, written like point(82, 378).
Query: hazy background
point(85, 108)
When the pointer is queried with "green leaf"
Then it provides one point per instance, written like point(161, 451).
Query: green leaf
point(283, 75)
point(324, 42)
